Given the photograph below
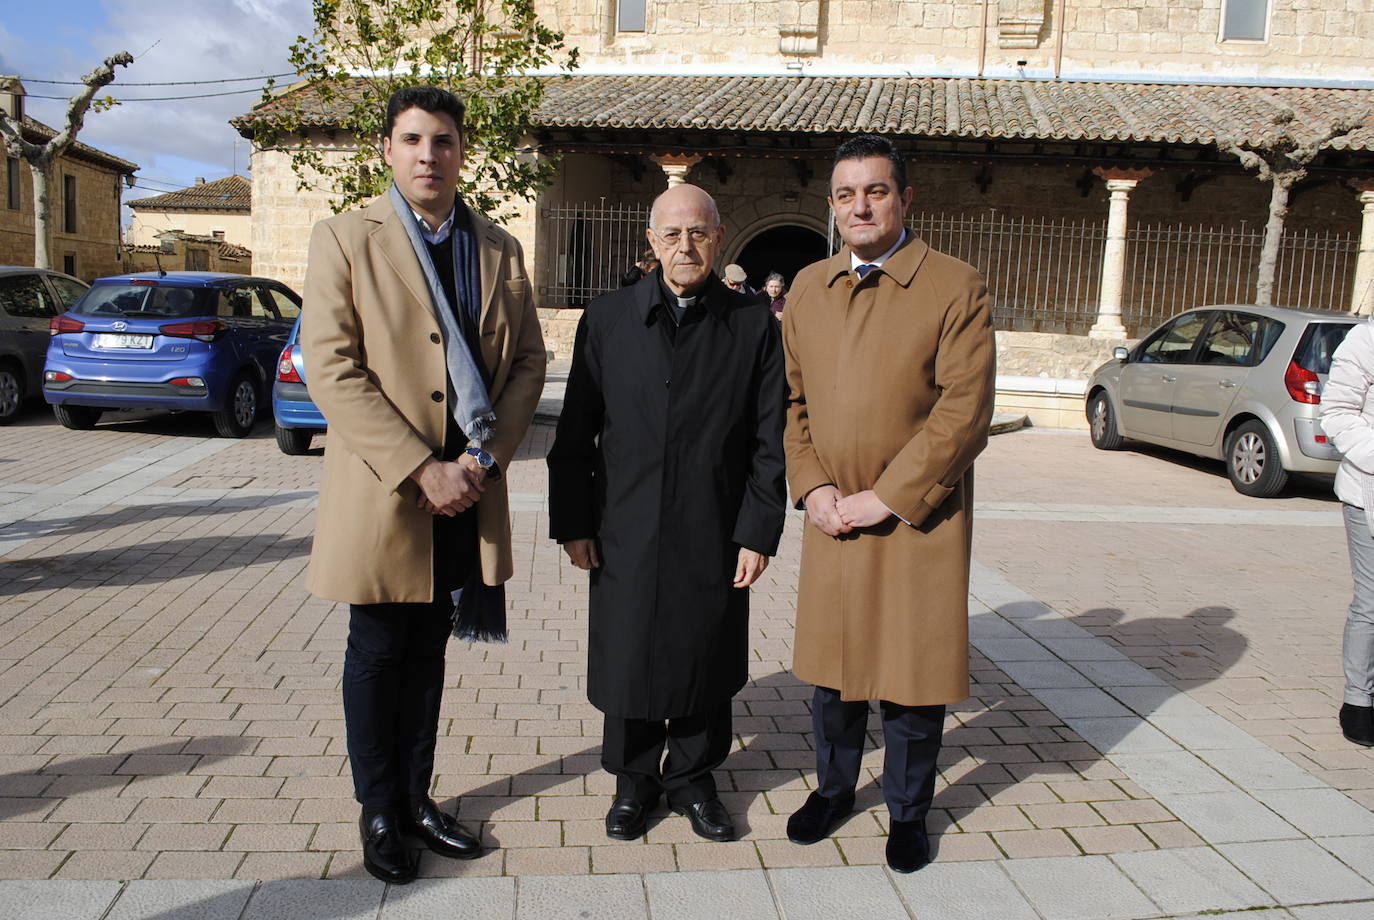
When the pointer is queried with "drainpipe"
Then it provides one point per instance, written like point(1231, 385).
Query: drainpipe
point(983, 39)
point(1058, 38)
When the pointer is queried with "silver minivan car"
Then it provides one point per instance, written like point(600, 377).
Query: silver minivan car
point(1235, 383)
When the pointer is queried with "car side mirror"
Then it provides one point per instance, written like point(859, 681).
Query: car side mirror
point(1120, 353)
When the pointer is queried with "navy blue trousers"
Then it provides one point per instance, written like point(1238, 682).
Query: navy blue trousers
point(911, 742)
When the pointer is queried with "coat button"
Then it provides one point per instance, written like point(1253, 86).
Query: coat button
point(434, 337)
point(437, 396)
point(849, 282)
point(668, 382)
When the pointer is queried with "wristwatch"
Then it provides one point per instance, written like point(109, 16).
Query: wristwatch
point(485, 460)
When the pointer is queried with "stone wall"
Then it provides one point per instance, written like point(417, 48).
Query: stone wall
point(283, 213)
point(95, 244)
point(1317, 39)
point(146, 225)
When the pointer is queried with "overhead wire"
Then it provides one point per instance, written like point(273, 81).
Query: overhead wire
point(122, 99)
point(265, 76)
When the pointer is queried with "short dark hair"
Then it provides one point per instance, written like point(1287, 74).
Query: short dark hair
point(430, 98)
point(863, 146)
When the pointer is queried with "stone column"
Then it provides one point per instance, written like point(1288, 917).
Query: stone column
point(1120, 182)
point(1362, 292)
point(676, 166)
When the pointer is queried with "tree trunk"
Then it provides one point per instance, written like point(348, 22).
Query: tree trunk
point(1273, 237)
point(42, 215)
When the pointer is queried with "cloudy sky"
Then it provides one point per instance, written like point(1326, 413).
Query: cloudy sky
point(173, 142)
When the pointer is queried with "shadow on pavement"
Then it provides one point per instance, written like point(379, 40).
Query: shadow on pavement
point(23, 792)
point(147, 563)
point(127, 515)
point(1300, 485)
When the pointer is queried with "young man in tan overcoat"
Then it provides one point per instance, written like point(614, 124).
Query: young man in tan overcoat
point(890, 371)
point(422, 348)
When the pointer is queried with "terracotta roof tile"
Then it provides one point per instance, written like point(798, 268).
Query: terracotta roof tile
point(233, 193)
point(39, 133)
point(932, 107)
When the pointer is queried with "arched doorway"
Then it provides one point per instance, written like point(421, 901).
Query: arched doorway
point(786, 249)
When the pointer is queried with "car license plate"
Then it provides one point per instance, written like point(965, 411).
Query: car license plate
point(122, 340)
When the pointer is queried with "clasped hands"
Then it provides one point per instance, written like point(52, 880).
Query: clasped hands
point(449, 487)
point(748, 567)
point(834, 514)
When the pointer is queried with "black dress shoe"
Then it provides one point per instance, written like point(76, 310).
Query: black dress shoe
point(1357, 724)
point(908, 845)
point(817, 817)
point(709, 819)
point(384, 852)
point(627, 819)
point(442, 833)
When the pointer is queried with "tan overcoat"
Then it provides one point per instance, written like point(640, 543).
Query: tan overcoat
point(374, 362)
point(891, 384)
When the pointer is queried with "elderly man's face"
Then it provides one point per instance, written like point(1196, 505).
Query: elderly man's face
point(868, 206)
point(774, 288)
point(686, 238)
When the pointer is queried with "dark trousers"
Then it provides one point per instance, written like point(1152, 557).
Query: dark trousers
point(394, 677)
point(911, 739)
point(632, 750)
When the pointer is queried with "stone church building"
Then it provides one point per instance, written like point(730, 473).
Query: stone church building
point(1075, 151)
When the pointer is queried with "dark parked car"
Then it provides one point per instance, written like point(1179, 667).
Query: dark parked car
point(187, 341)
point(1237, 383)
point(29, 299)
point(298, 418)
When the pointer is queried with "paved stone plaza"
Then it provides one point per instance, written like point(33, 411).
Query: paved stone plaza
point(1151, 732)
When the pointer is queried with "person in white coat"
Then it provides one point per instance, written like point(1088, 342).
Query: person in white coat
point(1347, 417)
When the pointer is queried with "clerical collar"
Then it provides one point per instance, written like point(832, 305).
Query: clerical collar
point(855, 261)
point(435, 237)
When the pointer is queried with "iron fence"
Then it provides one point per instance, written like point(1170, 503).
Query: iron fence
point(587, 248)
point(1044, 274)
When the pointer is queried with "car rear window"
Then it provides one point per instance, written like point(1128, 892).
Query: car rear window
point(1318, 343)
point(147, 300)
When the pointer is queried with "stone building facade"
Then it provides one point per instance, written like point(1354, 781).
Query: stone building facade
point(85, 191)
point(1102, 113)
point(221, 209)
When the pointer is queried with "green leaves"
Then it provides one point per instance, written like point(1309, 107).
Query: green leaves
point(364, 50)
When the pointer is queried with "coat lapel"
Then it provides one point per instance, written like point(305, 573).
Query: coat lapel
point(391, 238)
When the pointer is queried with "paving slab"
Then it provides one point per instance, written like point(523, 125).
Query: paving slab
point(1354, 910)
point(314, 899)
point(181, 900)
point(1320, 812)
point(48, 900)
point(1297, 872)
point(824, 894)
point(1079, 888)
point(1355, 852)
point(1227, 817)
point(710, 895)
point(1177, 772)
point(962, 891)
point(588, 897)
point(1190, 880)
point(1258, 769)
point(452, 899)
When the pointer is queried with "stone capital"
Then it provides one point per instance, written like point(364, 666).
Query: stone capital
point(1119, 173)
point(676, 166)
point(1364, 190)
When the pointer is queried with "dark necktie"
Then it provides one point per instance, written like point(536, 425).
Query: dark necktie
point(864, 269)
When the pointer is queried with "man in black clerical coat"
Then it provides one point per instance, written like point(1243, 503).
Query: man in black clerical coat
point(666, 483)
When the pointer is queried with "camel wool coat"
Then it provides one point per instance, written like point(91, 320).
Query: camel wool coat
point(890, 387)
point(374, 360)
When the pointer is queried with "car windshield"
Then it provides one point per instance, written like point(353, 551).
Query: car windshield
point(136, 300)
point(1318, 344)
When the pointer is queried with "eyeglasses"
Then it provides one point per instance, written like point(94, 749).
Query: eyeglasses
point(672, 237)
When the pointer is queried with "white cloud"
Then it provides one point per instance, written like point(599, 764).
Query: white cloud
point(177, 40)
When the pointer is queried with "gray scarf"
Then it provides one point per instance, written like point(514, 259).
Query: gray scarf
point(469, 403)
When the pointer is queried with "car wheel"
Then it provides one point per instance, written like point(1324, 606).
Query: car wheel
point(293, 441)
point(78, 418)
point(1102, 423)
point(1252, 461)
point(11, 393)
point(240, 411)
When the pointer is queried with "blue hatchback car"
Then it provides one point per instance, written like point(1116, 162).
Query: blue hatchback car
point(297, 416)
point(187, 341)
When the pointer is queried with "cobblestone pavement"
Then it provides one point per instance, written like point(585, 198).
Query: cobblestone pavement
point(1151, 730)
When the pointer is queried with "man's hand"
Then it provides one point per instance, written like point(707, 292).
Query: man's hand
point(448, 488)
point(749, 567)
point(862, 509)
point(820, 509)
point(583, 553)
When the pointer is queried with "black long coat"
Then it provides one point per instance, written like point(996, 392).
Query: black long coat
point(669, 453)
